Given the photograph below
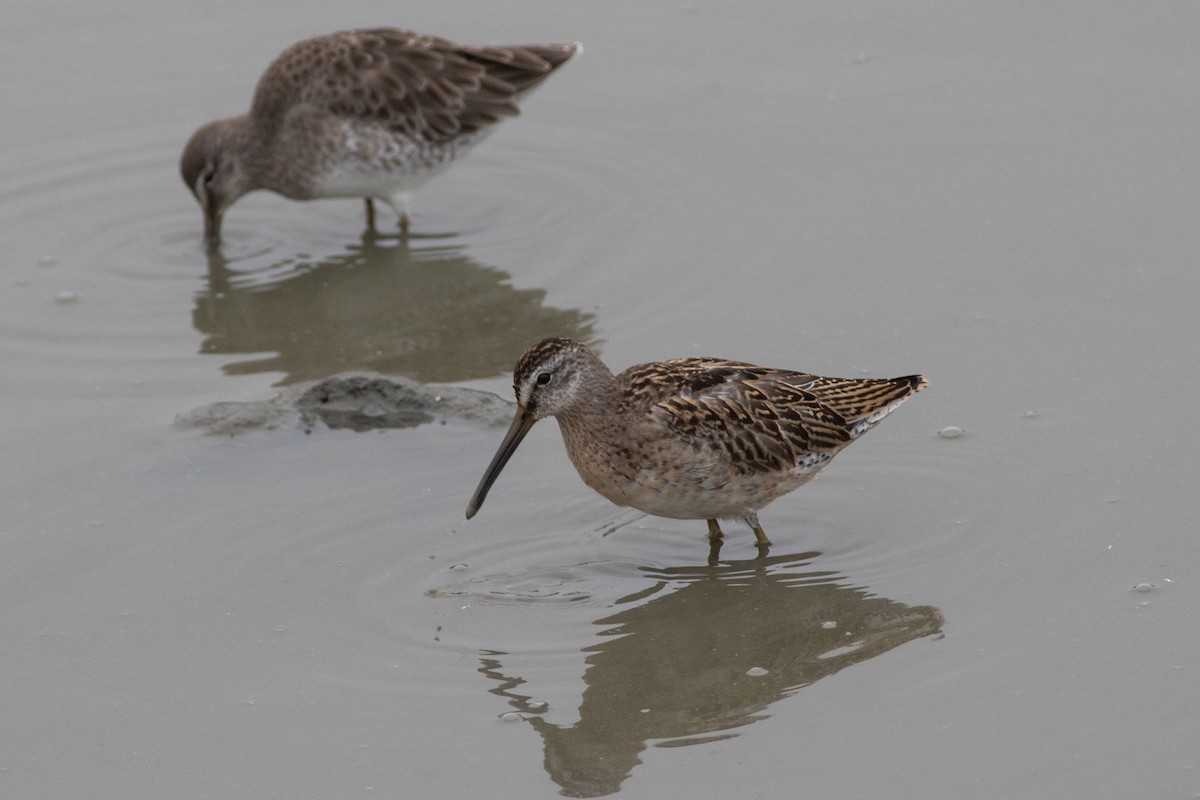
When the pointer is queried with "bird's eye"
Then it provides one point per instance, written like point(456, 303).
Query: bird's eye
point(209, 175)
point(543, 378)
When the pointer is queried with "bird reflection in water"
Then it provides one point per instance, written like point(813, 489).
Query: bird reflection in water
point(426, 311)
point(711, 650)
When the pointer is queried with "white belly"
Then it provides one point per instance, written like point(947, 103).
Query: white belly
point(373, 162)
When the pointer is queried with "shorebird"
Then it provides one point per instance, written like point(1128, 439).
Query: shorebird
point(691, 438)
point(361, 113)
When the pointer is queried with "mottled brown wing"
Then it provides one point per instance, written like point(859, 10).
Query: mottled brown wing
point(764, 419)
point(417, 85)
point(646, 384)
point(862, 398)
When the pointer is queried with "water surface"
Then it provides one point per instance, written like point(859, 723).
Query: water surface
point(1003, 200)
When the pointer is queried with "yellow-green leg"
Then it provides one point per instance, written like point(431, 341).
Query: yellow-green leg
point(759, 533)
point(715, 540)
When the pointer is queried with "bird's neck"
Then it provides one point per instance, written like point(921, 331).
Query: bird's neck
point(600, 418)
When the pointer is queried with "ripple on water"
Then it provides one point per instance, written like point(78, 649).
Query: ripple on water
point(79, 219)
point(565, 190)
point(862, 511)
point(587, 583)
point(105, 222)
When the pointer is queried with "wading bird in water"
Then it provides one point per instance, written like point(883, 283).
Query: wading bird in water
point(691, 438)
point(362, 113)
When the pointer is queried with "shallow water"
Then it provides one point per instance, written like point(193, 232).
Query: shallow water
point(1004, 201)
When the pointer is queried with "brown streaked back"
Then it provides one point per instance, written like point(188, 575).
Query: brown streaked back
point(767, 419)
point(418, 85)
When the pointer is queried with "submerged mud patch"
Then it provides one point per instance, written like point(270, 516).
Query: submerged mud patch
point(358, 401)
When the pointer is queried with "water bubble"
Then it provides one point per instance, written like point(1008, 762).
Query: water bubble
point(1144, 587)
point(829, 625)
point(511, 716)
point(951, 432)
point(757, 672)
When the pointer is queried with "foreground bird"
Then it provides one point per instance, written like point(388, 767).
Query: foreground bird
point(691, 438)
point(363, 113)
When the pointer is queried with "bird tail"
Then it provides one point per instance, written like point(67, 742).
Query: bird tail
point(894, 392)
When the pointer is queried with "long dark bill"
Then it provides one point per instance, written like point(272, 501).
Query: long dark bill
point(521, 424)
point(212, 227)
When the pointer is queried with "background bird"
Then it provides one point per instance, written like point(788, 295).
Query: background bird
point(361, 113)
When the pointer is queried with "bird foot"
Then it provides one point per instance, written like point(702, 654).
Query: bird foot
point(714, 551)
